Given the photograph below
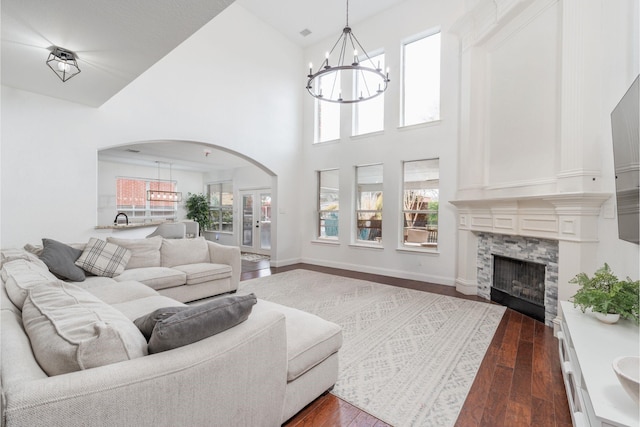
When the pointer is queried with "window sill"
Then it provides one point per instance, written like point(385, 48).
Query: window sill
point(329, 242)
point(329, 142)
point(367, 246)
point(367, 135)
point(419, 250)
point(421, 125)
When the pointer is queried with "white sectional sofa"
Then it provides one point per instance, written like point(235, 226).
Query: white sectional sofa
point(260, 372)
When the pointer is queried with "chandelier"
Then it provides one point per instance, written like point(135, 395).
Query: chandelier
point(374, 81)
point(163, 195)
point(63, 62)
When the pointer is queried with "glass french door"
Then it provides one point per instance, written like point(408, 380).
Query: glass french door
point(256, 221)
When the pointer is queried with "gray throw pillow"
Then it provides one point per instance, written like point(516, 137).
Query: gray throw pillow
point(148, 322)
point(60, 259)
point(200, 321)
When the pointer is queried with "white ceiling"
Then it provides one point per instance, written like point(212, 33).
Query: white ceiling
point(117, 40)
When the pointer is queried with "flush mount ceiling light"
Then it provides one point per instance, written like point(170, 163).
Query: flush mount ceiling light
point(63, 62)
point(374, 81)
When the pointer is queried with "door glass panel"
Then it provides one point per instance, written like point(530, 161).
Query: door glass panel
point(247, 220)
point(265, 221)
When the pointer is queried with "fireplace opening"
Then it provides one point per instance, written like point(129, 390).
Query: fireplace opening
point(519, 285)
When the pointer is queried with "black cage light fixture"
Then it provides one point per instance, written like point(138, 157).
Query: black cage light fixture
point(63, 62)
point(374, 81)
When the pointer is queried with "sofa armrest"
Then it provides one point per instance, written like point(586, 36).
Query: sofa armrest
point(237, 377)
point(230, 255)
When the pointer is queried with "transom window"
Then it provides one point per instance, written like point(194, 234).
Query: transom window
point(420, 203)
point(368, 116)
point(221, 206)
point(131, 198)
point(421, 80)
point(369, 203)
point(328, 203)
point(327, 120)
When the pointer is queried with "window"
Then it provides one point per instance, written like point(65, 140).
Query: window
point(221, 206)
point(131, 198)
point(369, 203)
point(421, 80)
point(328, 113)
point(420, 203)
point(368, 116)
point(328, 203)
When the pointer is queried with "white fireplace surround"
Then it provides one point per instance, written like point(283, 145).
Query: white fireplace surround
point(570, 219)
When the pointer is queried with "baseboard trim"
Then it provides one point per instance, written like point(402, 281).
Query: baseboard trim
point(466, 287)
point(438, 280)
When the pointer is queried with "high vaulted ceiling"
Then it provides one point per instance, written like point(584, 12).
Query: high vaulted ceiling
point(117, 40)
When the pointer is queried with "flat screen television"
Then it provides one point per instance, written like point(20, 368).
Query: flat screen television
point(625, 119)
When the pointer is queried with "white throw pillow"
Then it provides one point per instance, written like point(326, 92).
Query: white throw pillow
point(71, 330)
point(144, 252)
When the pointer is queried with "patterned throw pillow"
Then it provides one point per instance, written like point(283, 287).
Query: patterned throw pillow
point(103, 259)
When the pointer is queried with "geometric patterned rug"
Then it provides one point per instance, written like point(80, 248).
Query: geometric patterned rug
point(409, 357)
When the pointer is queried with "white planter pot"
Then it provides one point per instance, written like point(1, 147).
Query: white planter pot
point(607, 318)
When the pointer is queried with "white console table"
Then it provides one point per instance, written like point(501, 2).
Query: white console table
point(587, 350)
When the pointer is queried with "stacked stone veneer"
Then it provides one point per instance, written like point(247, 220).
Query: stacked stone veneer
point(541, 251)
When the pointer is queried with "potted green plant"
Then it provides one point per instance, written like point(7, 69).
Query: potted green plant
point(198, 210)
point(606, 295)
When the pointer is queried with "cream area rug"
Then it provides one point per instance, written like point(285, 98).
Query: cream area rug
point(409, 357)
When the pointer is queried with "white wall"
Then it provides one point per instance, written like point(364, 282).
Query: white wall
point(390, 147)
point(244, 96)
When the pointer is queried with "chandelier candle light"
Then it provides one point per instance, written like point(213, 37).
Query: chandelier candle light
point(374, 81)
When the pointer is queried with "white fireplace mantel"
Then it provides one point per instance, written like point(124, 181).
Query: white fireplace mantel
point(566, 216)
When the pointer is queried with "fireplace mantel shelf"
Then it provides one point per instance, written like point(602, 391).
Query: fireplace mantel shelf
point(561, 216)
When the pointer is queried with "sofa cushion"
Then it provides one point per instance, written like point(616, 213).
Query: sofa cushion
point(118, 292)
point(60, 259)
point(143, 306)
point(71, 330)
point(144, 252)
point(154, 277)
point(184, 251)
point(20, 275)
point(12, 254)
point(310, 339)
point(199, 321)
point(103, 259)
point(204, 272)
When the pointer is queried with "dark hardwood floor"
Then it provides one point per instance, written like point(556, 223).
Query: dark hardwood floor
point(519, 382)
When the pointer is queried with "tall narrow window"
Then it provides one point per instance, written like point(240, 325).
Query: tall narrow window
point(221, 206)
point(328, 203)
point(131, 198)
point(421, 80)
point(368, 116)
point(328, 113)
point(420, 203)
point(369, 203)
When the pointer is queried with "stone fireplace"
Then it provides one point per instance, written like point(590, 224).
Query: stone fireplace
point(515, 283)
point(557, 231)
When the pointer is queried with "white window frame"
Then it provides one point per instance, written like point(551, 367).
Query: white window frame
point(328, 106)
point(324, 231)
point(355, 121)
point(222, 208)
point(425, 235)
point(403, 89)
point(374, 214)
